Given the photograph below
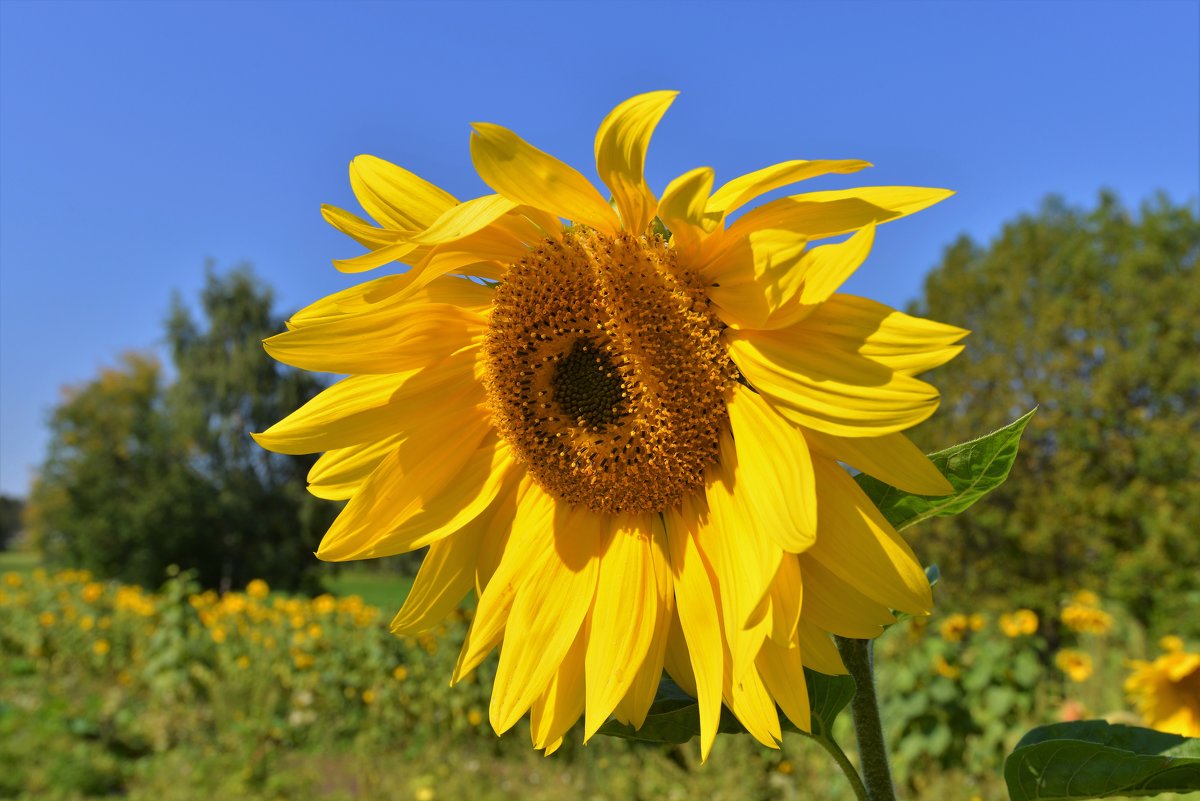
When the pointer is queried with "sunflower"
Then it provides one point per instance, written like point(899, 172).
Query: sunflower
point(623, 431)
point(1076, 664)
point(1167, 690)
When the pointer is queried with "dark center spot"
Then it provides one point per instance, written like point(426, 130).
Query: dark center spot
point(587, 387)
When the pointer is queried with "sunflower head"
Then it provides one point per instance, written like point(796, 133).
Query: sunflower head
point(622, 424)
point(1166, 690)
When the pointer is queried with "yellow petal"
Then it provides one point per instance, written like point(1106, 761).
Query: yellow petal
point(742, 190)
point(892, 459)
point(621, 145)
point(633, 708)
point(626, 619)
point(400, 251)
point(556, 710)
point(903, 200)
point(432, 485)
point(750, 702)
point(859, 546)
point(391, 340)
point(743, 559)
point(370, 407)
point(827, 267)
point(904, 343)
point(782, 670)
point(787, 596)
point(773, 469)
point(360, 230)
point(339, 473)
point(360, 296)
point(696, 603)
point(447, 574)
point(528, 176)
point(535, 643)
point(682, 209)
point(837, 607)
point(459, 222)
point(677, 662)
point(521, 544)
point(396, 197)
point(755, 275)
point(818, 651)
point(810, 218)
point(834, 391)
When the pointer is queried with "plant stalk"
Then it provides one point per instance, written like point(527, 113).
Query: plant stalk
point(859, 657)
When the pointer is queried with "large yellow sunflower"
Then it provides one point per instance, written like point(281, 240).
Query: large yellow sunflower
point(622, 432)
point(1167, 690)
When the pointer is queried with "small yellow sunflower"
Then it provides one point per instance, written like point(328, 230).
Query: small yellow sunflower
point(1167, 690)
point(1019, 623)
point(1076, 664)
point(623, 431)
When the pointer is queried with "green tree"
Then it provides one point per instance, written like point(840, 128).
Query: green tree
point(11, 510)
point(115, 494)
point(1091, 314)
point(140, 474)
point(266, 524)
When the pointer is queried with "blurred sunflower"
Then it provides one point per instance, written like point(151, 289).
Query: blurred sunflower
point(1167, 690)
point(1076, 664)
point(624, 432)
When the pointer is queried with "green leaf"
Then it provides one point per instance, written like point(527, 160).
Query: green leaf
point(1095, 759)
point(973, 468)
point(675, 717)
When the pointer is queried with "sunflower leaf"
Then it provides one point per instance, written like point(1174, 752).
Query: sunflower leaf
point(973, 468)
point(1095, 759)
point(674, 716)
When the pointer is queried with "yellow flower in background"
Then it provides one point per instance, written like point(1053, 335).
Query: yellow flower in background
point(1022, 622)
point(368, 697)
point(1086, 619)
point(1167, 690)
point(474, 716)
point(955, 627)
point(1076, 664)
point(257, 588)
point(1171, 643)
point(47, 619)
point(977, 622)
point(1086, 598)
point(13, 580)
point(400, 673)
point(944, 668)
point(101, 647)
point(639, 432)
point(92, 592)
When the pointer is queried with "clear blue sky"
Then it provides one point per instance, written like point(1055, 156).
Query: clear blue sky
point(138, 140)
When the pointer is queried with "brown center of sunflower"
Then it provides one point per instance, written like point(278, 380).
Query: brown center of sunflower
point(605, 372)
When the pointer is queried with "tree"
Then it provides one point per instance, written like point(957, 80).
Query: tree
point(11, 510)
point(115, 494)
point(266, 524)
point(140, 475)
point(1092, 315)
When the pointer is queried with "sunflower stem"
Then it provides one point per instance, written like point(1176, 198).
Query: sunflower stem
point(859, 657)
point(843, 761)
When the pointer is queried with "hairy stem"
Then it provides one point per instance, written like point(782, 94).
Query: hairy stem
point(843, 761)
point(858, 655)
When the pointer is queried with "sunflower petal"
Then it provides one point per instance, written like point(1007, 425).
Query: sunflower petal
point(840, 393)
point(531, 177)
point(782, 670)
point(859, 546)
point(817, 650)
point(892, 458)
point(339, 473)
point(627, 590)
point(837, 607)
point(360, 230)
point(535, 643)
point(621, 145)
point(904, 343)
point(447, 574)
point(774, 472)
point(699, 618)
point(396, 197)
point(682, 209)
point(740, 191)
point(556, 710)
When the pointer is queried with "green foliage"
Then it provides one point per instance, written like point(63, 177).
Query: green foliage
point(1091, 315)
point(1094, 759)
point(973, 468)
point(140, 475)
point(11, 511)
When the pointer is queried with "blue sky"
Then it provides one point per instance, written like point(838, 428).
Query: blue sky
point(138, 140)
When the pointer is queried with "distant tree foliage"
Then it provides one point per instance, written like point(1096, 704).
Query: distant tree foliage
point(140, 474)
point(1094, 316)
point(10, 519)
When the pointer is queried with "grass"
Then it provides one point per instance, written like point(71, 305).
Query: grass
point(377, 588)
point(18, 561)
